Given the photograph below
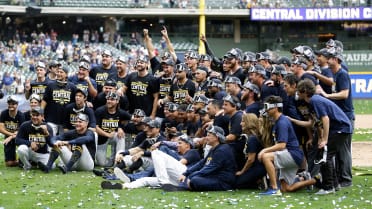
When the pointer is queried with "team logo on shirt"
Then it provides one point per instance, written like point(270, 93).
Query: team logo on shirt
point(82, 87)
point(11, 126)
point(164, 90)
point(109, 125)
point(38, 138)
point(180, 96)
point(139, 88)
point(101, 78)
point(208, 161)
point(39, 89)
point(61, 96)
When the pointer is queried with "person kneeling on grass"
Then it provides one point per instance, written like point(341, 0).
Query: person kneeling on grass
point(285, 154)
point(77, 148)
point(216, 171)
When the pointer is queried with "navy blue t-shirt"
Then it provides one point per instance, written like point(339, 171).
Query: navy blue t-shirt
point(338, 121)
point(283, 132)
point(342, 82)
point(234, 124)
point(327, 73)
point(253, 108)
point(253, 145)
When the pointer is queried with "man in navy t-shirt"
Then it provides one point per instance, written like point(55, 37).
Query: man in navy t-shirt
point(285, 154)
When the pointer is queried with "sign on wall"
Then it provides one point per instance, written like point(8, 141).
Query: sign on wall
point(361, 85)
point(311, 14)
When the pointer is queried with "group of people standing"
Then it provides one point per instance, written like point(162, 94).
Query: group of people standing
point(203, 123)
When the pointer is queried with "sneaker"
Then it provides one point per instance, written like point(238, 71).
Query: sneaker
point(325, 192)
point(273, 192)
point(346, 184)
point(109, 185)
point(42, 167)
point(63, 169)
point(98, 172)
point(121, 175)
point(172, 188)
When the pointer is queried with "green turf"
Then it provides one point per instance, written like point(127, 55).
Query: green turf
point(362, 134)
point(34, 189)
point(362, 106)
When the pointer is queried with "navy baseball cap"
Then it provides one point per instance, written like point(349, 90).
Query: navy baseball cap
point(154, 124)
point(37, 110)
point(83, 91)
point(110, 82)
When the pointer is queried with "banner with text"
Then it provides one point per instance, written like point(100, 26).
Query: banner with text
point(361, 85)
point(311, 14)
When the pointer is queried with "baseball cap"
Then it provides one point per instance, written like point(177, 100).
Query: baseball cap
point(187, 140)
point(154, 123)
point(83, 91)
point(40, 64)
point(112, 95)
point(217, 131)
point(35, 96)
point(202, 68)
point(284, 60)
point(203, 111)
point(205, 57)
point(122, 59)
point(323, 52)
point(85, 58)
point(193, 55)
point(263, 56)
point(181, 67)
point(233, 79)
point(258, 69)
point(110, 82)
point(65, 68)
point(252, 87)
point(214, 83)
point(233, 53)
point(233, 100)
point(200, 99)
point(249, 57)
point(190, 108)
point(168, 61)
point(145, 120)
point(84, 65)
point(139, 113)
point(278, 69)
point(83, 117)
point(12, 99)
point(300, 61)
point(106, 52)
point(165, 55)
point(37, 110)
point(53, 63)
point(172, 107)
point(333, 52)
point(142, 58)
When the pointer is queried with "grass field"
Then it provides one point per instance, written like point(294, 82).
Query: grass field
point(362, 106)
point(34, 189)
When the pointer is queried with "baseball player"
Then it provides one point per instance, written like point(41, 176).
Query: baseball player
point(77, 148)
point(33, 139)
point(10, 120)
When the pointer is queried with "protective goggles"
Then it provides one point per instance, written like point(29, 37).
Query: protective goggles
point(268, 106)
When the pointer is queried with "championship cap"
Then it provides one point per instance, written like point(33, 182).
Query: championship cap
point(37, 110)
point(154, 123)
point(218, 132)
point(83, 91)
point(12, 99)
point(107, 52)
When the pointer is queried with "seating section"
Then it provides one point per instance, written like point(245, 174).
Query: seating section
point(209, 4)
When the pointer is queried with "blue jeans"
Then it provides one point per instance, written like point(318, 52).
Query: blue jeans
point(150, 171)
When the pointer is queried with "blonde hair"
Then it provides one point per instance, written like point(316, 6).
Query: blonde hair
point(266, 126)
point(250, 124)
